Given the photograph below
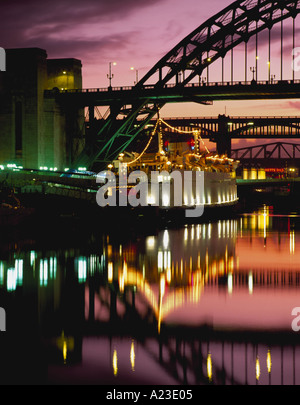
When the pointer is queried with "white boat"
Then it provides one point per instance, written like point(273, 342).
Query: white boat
point(212, 181)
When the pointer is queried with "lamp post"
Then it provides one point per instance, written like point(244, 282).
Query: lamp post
point(253, 70)
point(136, 75)
point(269, 70)
point(110, 75)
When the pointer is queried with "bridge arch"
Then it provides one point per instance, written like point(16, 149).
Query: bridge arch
point(220, 34)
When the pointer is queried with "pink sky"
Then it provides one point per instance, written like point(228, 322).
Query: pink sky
point(133, 34)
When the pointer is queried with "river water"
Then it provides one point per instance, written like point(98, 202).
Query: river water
point(209, 303)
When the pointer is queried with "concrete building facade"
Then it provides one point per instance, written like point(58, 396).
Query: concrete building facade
point(34, 130)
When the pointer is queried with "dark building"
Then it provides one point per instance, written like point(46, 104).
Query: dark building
point(34, 130)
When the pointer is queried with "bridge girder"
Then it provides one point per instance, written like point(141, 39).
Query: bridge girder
point(275, 150)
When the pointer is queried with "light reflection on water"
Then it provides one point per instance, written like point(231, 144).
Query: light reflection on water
point(182, 306)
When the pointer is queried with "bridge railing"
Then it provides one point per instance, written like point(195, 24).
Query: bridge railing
point(232, 118)
point(174, 85)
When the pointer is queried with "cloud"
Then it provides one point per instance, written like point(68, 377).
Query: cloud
point(38, 23)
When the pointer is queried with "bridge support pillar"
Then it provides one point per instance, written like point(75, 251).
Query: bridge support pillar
point(223, 139)
point(224, 145)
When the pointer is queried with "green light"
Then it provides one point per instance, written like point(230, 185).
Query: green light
point(81, 169)
point(67, 169)
point(1, 273)
point(33, 256)
point(43, 272)
point(11, 279)
point(82, 269)
point(19, 270)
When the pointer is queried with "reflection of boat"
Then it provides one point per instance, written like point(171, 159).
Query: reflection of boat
point(11, 210)
point(216, 189)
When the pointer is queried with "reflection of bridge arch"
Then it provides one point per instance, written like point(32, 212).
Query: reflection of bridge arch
point(210, 42)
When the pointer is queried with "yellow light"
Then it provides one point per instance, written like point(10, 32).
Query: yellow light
point(209, 367)
point(230, 283)
point(160, 261)
point(292, 242)
point(65, 349)
point(65, 344)
point(64, 72)
point(115, 363)
point(250, 283)
point(132, 356)
point(169, 276)
point(257, 368)
point(110, 272)
point(150, 242)
point(269, 361)
point(110, 166)
point(121, 283)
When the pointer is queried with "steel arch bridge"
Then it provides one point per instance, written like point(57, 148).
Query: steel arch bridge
point(130, 110)
point(268, 152)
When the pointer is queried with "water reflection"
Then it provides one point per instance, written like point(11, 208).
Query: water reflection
point(204, 304)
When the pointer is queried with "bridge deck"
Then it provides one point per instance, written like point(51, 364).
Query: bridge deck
point(177, 93)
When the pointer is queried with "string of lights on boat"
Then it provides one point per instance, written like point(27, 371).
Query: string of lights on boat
point(195, 133)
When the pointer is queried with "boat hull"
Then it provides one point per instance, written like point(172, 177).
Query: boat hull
point(202, 189)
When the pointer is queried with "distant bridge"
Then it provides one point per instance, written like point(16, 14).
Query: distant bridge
point(239, 127)
point(223, 129)
point(269, 154)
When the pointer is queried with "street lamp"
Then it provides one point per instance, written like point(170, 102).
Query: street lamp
point(110, 75)
point(269, 70)
point(253, 70)
point(136, 75)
